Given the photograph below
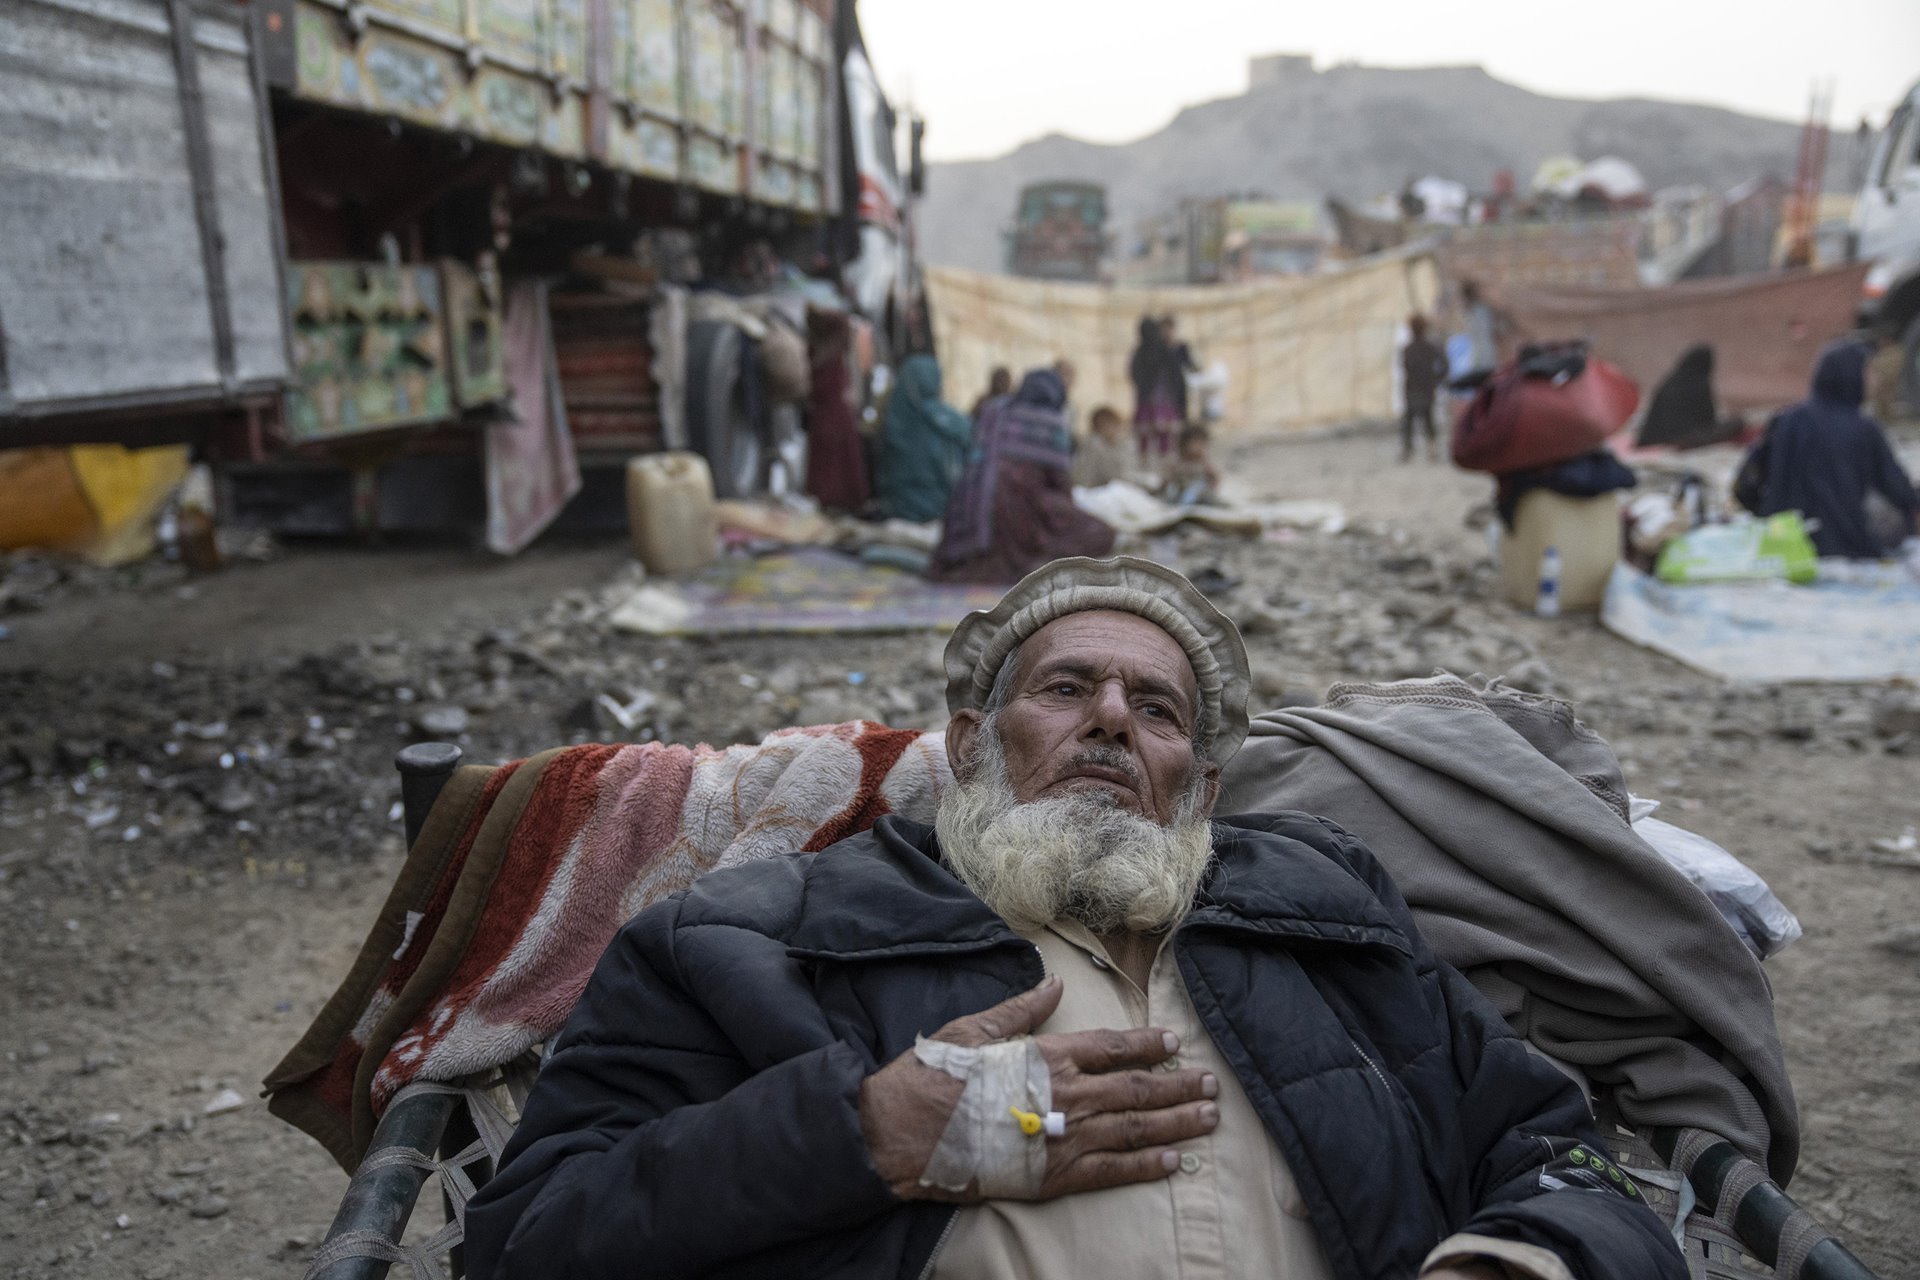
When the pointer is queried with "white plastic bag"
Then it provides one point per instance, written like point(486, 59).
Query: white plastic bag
point(1742, 897)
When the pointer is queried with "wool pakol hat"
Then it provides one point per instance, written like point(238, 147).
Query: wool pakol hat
point(1126, 584)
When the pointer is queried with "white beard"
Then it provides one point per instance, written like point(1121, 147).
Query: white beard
point(1079, 855)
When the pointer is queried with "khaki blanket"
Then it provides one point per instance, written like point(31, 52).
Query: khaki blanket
point(1504, 822)
point(1300, 351)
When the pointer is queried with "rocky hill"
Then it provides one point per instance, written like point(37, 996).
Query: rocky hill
point(1354, 132)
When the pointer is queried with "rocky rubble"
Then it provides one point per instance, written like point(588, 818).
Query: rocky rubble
point(168, 764)
point(206, 790)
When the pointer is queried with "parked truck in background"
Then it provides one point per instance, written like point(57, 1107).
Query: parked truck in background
point(283, 230)
point(1059, 232)
point(1886, 233)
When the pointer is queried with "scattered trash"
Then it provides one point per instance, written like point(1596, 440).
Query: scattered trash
point(222, 1102)
point(1906, 842)
point(628, 715)
point(1743, 899)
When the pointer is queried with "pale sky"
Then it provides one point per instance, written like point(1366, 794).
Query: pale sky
point(991, 74)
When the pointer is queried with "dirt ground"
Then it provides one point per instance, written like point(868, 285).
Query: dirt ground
point(196, 825)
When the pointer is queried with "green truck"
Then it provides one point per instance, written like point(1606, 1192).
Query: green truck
point(1059, 232)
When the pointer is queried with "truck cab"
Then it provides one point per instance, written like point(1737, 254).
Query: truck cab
point(1886, 233)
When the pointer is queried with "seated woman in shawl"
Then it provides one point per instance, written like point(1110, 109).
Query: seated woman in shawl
point(923, 444)
point(1013, 509)
point(1682, 412)
point(1822, 457)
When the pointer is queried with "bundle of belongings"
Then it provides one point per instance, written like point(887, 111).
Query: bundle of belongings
point(1542, 422)
point(1504, 822)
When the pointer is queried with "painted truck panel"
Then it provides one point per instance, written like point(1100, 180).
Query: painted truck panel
point(728, 97)
point(108, 290)
point(371, 346)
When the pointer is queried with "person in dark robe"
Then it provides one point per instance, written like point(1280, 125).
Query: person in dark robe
point(999, 383)
point(1156, 416)
point(836, 462)
point(923, 444)
point(1423, 367)
point(1180, 363)
point(1013, 508)
point(1682, 412)
point(1823, 456)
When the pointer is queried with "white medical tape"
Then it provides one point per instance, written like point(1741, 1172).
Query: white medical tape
point(983, 1139)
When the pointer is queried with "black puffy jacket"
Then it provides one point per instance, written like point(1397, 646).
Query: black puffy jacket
point(699, 1115)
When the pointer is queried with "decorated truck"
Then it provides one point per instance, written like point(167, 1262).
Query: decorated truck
point(284, 231)
point(1059, 232)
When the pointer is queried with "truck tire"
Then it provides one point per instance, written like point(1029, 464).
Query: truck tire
point(718, 427)
point(1907, 382)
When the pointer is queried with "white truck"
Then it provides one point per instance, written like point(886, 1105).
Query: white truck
point(1886, 233)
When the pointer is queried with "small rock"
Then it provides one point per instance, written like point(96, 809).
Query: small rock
point(209, 1207)
point(47, 1188)
point(1257, 619)
point(1532, 675)
point(1897, 712)
point(94, 1062)
point(442, 721)
point(225, 1100)
point(99, 1198)
point(232, 797)
point(1269, 684)
point(170, 1193)
point(1903, 941)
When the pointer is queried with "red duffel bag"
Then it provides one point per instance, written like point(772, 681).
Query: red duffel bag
point(1552, 404)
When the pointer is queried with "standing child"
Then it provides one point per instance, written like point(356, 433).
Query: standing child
point(1424, 367)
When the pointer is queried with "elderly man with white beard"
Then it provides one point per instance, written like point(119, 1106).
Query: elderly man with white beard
point(1079, 1027)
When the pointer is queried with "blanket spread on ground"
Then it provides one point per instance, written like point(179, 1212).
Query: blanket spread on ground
point(1504, 822)
point(522, 875)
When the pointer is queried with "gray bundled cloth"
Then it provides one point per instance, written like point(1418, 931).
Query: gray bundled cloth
point(1504, 822)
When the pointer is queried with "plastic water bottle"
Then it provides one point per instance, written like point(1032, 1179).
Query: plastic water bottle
point(1547, 603)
